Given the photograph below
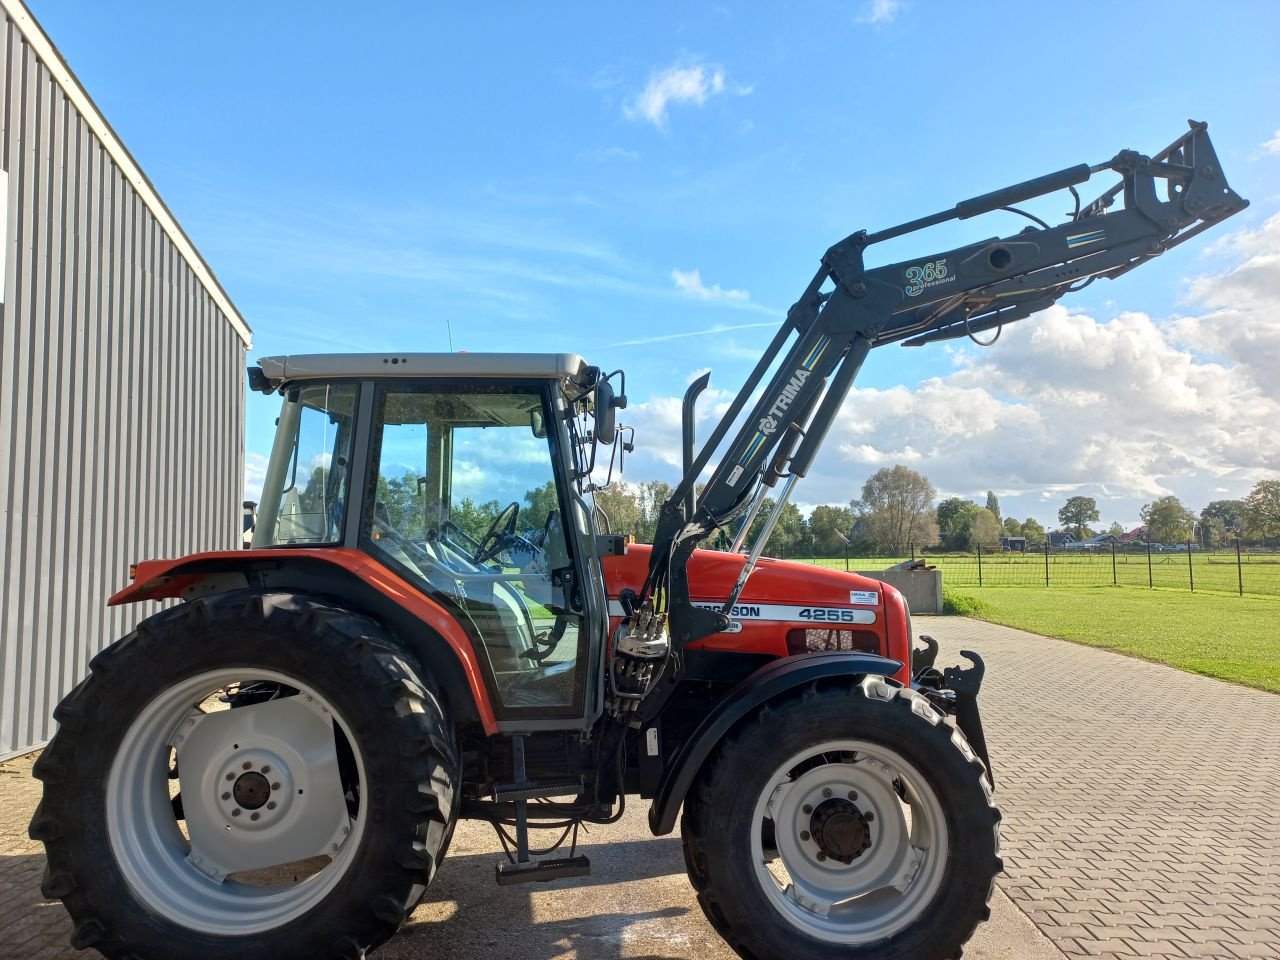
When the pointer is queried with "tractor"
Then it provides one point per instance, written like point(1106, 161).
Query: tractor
point(435, 621)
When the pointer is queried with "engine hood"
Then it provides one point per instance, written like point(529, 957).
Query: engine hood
point(780, 597)
point(712, 574)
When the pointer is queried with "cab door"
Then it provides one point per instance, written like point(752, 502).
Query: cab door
point(467, 500)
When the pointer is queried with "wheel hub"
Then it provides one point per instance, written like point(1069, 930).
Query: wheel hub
point(840, 830)
point(252, 790)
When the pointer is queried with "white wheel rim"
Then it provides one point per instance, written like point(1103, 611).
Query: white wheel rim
point(221, 757)
point(890, 882)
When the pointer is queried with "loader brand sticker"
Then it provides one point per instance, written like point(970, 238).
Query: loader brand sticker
point(868, 597)
point(925, 275)
point(770, 422)
point(776, 613)
point(1083, 239)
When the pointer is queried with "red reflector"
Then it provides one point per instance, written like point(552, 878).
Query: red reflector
point(817, 640)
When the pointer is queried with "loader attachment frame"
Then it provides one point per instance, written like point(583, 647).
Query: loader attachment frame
point(848, 308)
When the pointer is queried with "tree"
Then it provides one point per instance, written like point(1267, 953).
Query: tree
point(790, 535)
point(1078, 511)
point(1012, 527)
point(652, 494)
point(475, 518)
point(955, 521)
point(985, 530)
point(1033, 531)
point(1262, 510)
point(1228, 513)
point(622, 507)
point(1116, 530)
point(897, 508)
point(538, 504)
point(1167, 520)
point(828, 524)
point(993, 504)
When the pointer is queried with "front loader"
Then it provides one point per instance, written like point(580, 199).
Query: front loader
point(434, 621)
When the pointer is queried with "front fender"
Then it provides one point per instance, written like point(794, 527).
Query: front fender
point(766, 683)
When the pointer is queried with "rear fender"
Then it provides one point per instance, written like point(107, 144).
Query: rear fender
point(426, 628)
point(768, 682)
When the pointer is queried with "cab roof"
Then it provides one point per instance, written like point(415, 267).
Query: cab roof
point(325, 366)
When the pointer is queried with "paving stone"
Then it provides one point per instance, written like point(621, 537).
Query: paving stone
point(1144, 801)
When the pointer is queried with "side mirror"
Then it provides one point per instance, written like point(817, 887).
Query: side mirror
point(606, 424)
point(538, 424)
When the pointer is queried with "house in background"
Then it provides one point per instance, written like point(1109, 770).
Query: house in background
point(1061, 539)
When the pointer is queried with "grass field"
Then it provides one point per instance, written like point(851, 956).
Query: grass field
point(1232, 638)
point(1213, 572)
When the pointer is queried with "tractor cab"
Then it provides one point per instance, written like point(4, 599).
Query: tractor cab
point(459, 473)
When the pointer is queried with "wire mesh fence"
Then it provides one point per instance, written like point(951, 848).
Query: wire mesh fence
point(1238, 569)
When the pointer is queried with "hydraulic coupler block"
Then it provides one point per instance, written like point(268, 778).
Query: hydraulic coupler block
point(641, 646)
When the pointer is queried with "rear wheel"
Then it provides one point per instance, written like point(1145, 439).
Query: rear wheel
point(849, 817)
point(250, 775)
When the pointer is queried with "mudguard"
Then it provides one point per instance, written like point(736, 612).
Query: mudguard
point(763, 685)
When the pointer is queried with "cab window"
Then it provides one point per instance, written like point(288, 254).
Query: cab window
point(466, 505)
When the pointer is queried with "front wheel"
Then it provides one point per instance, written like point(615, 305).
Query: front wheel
point(848, 818)
point(251, 775)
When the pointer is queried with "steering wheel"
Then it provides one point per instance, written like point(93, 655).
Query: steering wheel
point(503, 526)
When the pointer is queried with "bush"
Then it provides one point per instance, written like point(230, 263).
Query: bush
point(961, 604)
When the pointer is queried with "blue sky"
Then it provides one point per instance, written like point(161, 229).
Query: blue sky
point(652, 186)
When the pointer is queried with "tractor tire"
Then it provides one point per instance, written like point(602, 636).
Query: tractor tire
point(850, 818)
point(312, 806)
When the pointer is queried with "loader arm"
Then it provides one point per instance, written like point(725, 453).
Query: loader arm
point(849, 308)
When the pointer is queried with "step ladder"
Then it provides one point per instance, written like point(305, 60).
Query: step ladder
point(525, 869)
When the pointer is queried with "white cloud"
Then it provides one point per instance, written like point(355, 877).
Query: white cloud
point(676, 84)
point(608, 154)
point(880, 11)
point(1272, 146)
point(690, 281)
point(255, 471)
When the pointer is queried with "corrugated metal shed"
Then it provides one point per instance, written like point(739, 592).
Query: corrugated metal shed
point(121, 384)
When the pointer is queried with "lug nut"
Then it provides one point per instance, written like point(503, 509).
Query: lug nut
point(226, 796)
point(853, 794)
point(271, 805)
point(806, 809)
point(822, 857)
point(804, 834)
point(870, 816)
point(231, 776)
point(266, 769)
point(254, 815)
point(235, 812)
point(246, 765)
point(276, 785)
point(826, 792)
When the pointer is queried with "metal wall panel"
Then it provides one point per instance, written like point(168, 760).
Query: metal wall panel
point(121, 394)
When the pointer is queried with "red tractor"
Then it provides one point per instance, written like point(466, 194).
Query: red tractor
point(435, 622)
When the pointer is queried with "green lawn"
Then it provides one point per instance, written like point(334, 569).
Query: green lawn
point(1259, 573)
point(1232, 638)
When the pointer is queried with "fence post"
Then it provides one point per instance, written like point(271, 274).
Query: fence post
point(1046, 561)
point(1114, 581)
point(1239, 568)
point(913, 551)
point(1191, 570)
point(979, 564)
point(1150, 582)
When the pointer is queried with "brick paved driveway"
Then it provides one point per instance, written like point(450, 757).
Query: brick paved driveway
point(1142, 804)
point(1142, 819)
